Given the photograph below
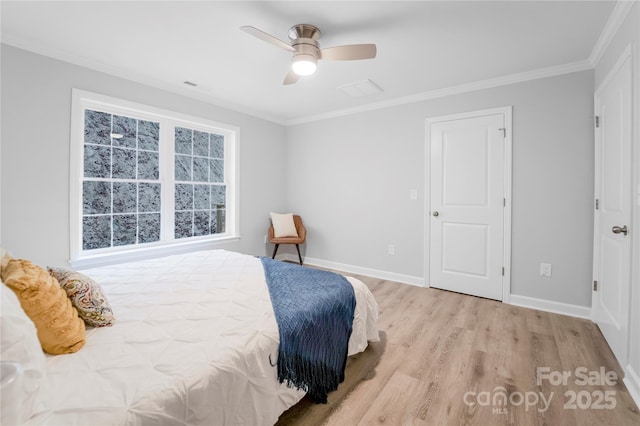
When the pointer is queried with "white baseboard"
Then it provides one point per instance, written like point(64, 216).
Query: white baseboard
point(369, 272)
point(514, 299)
point(632, 382)
point(550, 306)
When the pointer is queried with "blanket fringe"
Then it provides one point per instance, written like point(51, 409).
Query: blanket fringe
point(315, 379)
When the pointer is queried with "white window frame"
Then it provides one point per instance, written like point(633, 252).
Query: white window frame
point(80, 258)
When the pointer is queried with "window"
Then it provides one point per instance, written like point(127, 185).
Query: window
point(200, 206)
point(121, 189)
point(145, 179)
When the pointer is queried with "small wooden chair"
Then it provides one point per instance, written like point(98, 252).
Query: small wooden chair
point(302, 235)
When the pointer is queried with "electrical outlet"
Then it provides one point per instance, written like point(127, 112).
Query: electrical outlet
point(391, 249)
point(545, 269)
point(413, 194)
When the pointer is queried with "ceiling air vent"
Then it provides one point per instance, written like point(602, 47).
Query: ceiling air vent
point(361, 88)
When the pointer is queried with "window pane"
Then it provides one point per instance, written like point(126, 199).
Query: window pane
point(148, 135)
point(125, 229)
point(97, 161)
point(97, 127)
point(96, 197)
point(96, 232)
point(217, 146)
point(184, 224)
point(148, 165)
point(123, 131)
point(123, 163)
point(148, 227)
point(183, 167)
point(216, 170)
point(218, 221)
point(149, 197)
point(202, 197)
point(201, 144)
point(183, 141)
point(201, 224)
point(218, 196)
point(200, 169)
point(124, 197)
point(184, 196)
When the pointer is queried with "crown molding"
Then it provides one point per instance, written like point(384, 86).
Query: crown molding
point(453, 90)
point(620, 12)
point(121, 72)
point(615, 21)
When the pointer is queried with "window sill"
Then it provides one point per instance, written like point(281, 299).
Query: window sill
point(130, 255)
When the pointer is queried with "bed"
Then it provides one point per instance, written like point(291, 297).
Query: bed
point(194, 343)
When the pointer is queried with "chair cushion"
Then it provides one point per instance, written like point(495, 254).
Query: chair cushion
point(283, 225)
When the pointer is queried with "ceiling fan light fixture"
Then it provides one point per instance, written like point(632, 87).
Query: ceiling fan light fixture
point(306, 50)
point(304, 64)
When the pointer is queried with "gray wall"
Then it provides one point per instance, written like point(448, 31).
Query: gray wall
point(350, 178)
point(36, 107)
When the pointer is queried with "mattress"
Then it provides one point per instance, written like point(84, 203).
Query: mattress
point(194, 343)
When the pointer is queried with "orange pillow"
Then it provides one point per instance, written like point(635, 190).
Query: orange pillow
point(60, 329)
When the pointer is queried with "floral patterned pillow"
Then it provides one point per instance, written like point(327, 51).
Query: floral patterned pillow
point(86, 296)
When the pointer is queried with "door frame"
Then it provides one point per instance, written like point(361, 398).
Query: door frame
point(634, 173)
point(506, 254)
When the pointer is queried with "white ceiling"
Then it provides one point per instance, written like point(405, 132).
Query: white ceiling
point(423, 46)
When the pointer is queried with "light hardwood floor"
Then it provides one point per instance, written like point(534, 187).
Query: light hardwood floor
point(437, 346)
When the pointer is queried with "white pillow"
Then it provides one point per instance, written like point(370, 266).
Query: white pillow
point(283, 225)
point(19, 344)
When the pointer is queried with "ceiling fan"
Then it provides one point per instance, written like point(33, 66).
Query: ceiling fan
point(306, 50)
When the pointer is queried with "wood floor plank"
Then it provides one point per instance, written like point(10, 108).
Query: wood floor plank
point(538, 321)
point(438, 346)
point(359, 401)
point(453, 379)
point(393, 404)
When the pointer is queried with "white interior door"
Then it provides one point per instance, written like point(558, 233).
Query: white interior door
point(612, 242)
point(467, 199)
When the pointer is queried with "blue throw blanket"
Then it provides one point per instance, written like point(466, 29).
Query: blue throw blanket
point(314, 310)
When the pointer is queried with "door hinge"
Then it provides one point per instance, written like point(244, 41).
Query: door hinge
point(503, 271)
point(597, 119)
point(504, 132)
point(504, 202)
point(597, 204)
point(595, 286)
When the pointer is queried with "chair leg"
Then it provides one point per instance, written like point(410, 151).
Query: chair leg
point(275, 250)
point(299, 257)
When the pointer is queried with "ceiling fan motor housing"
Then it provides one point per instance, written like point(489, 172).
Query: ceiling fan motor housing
point(304, 31)
point(304, 39)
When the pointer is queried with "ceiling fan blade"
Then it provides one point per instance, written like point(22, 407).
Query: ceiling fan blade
point(290, 78)
point(267, 37)
point(349, 52)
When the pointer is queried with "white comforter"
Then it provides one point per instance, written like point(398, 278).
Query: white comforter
point(191, 346)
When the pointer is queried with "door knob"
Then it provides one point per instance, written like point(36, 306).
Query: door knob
point(436, 214)
point(618, 230)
